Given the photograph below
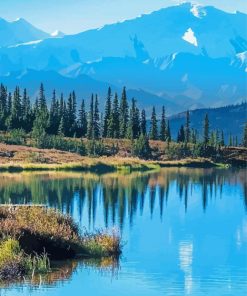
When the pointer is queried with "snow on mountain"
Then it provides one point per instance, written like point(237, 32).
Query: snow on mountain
point(190, 37)
point(18, 32)
point(241, 61)
point(198, 11)
point(57, 34)
point(218, 33)
point(192, 55)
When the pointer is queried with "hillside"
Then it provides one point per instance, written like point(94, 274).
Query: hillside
point(230, 119)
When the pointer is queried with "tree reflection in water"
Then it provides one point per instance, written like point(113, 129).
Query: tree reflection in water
point(118, 196)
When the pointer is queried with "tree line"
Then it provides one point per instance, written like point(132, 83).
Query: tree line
point(121, 119)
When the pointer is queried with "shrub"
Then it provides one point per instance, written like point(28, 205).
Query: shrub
point(95, 148)
point(141, 147)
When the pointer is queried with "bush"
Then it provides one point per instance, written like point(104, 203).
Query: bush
point(15, 137)
point(141, 147)
point(60, 143)
point(95, 148)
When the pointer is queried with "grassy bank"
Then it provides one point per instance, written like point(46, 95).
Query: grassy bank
point(31, 236)
point(14, 158)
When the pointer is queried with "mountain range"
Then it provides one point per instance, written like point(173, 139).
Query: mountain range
point(184, 56)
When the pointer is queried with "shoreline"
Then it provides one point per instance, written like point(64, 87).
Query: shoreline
point(106, 165)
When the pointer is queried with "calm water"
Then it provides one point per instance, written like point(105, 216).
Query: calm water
point(185, 231)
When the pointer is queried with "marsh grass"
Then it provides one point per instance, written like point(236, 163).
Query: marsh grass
point(31, 236)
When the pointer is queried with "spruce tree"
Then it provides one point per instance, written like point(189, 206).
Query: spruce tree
point(206, 130)
point(194, 136)
point(54, 115)
point(181, 135)
point(134, 121)
point(27, 120)
point(42, 99)
point(82, 121)
point(90, 126)
point(70, 116)
point(96, 119)
point(124, 114)
point(115, 117)
point(187, 128)
point(108, 112)
point(9, 104)
point(230, 140)
point(222, 140)
point(16, 111)
point(143, 124)
point(153, 135)
point(63, 118)
point(163, 131)
point(169, 137)
point(236, 141)
point(3, 106)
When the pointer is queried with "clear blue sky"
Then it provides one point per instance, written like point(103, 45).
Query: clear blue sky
point(72, 16)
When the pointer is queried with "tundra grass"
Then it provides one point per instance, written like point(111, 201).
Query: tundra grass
point(31, 236)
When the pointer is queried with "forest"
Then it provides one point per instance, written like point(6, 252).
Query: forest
point(66, 124)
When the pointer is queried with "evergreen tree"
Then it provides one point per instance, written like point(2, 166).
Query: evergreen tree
point(9, 104)
point(82, 122)
point(194, 136)
point(61, 107)
point(236, 141)
point(169, 137)
point(70, 116)
point(143, 124)
point(42, 100)
point(212, 139)
point(245, 136)
point(187, 131)
point(206, 130)
point(153, 135)
point(96, 119)
point(124, 114)
point(3, 106)
point(16, 111)
point(163, 131)
point(90, 126)
point(63, 126)
point(115, 117)
point(27, 120)
point(134, 121)
point(108, 113)
point(230, 140)
point(181, 135)
point(54, 118)
point(222, 141)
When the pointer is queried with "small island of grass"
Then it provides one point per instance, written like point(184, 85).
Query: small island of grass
point(31, 237)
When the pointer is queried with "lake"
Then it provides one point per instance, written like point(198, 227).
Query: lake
point(184, 231)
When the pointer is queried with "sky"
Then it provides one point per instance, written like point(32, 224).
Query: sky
point(73, 16)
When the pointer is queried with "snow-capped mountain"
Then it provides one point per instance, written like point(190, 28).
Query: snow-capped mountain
point(190, 55)
point(18, 32)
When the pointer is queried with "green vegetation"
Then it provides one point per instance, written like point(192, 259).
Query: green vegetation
point(31, 236)
point(65, 127)
point(14, 262)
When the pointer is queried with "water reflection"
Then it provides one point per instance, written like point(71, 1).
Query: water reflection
point(121, 195)
point(185, 230)
point(62, 271)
